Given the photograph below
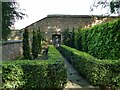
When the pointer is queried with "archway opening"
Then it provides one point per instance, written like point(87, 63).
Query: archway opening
point(56, 40)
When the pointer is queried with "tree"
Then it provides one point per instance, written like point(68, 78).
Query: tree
point(73, 39)
point(112, 6)
point(115, 7)
point(67, 37)
point(35, 45)
point(39, 39)
point(26, 47)
point(10, 13)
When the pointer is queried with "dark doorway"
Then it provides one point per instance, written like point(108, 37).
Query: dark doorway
point(56, 40)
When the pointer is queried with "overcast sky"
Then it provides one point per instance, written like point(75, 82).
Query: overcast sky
point(38, 9)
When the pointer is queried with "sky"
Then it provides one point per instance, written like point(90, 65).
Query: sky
point(38, 9)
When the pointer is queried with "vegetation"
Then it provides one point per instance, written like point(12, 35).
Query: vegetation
point(35, 45)
point(73, 38)
point(66, 37)
point(101, 41)
point(26, 47)
point(39, 39)
point(114, 6)
point(35, 74)
point(10, 13)
point(78, 39)
point(69, 38)
point(98, 72)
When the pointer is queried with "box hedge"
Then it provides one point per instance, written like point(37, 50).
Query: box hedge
point(35, 74)
point(101, 41)
point(98, 72)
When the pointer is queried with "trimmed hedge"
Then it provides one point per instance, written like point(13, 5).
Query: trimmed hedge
point(98, 72)
point(27, 74)
point(101, 41)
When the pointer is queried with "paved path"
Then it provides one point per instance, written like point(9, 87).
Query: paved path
point(74, 79)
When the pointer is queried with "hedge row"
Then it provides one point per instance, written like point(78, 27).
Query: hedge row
point(98, 72)
point(101, 41)
point(27, 74)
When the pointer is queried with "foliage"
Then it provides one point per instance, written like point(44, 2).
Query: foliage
point(78, 37)
point(39, 39)
point(73, 38)
point(26, 47)
point(36, 74)
point(98, 72)
point(10, 13)
point(112, 6)
point(66, 37)
point(101, 41)
point(69, 38)
point(35, 45)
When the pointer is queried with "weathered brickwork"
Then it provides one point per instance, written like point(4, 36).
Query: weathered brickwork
point(11, 50)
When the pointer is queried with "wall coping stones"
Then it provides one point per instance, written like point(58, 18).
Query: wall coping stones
point(11, 42)
point(78, 16)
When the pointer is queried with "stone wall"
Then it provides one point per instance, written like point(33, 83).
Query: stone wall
point(53, 24)
point(11, 50)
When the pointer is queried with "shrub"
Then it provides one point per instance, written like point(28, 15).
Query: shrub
point(101, 41)
point(26, 47)
point(69, 38)
point(39, 39)
point(35, 74)
point(66, 37)
point(98, 72)
point(73, 38)
point(35, 45)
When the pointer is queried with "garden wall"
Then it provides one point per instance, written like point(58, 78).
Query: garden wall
point(56, 24)
point(11, 50)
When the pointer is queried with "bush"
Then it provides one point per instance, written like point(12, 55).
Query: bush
point(39, 39)
point(35, 74)
point(66, 37)
point(35, 45)
point(98, 72)
point(26, 47)
point(101, 41)
point(69, 38)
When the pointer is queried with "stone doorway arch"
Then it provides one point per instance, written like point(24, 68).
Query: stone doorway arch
point(56, 40)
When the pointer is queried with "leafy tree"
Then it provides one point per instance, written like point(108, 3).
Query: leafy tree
point(10, 13)
point(35, 46)
point(26, 47)
point(113, 6)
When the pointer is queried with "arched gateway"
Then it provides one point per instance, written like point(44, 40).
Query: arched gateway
point(56, 40)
